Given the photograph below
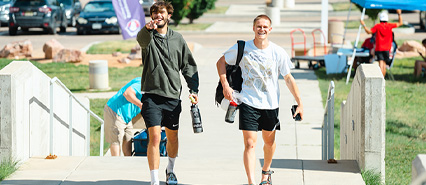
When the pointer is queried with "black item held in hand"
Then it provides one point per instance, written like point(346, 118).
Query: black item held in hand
point(196, 119)
point(233, 75)
point(293, 110)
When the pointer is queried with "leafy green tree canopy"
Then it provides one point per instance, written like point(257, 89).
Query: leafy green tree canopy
point(181, 9)
point(372, 13)
point(199, 8)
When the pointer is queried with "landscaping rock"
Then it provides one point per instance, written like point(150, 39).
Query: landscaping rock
point(17, 49)
point(51, 48)
point(116, 54)
point(68, 55)
point(124, 61)
point(410, 48)
point(135, 53)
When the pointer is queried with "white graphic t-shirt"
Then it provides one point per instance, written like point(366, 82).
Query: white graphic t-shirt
point(260, 70)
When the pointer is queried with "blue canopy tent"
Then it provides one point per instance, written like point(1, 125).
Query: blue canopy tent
point(384, 4)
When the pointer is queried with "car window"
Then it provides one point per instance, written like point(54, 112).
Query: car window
point(29, 3)
point(66, 2)
point(98, 7)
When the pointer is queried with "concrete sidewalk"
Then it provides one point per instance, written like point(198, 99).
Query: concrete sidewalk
point(214, 156)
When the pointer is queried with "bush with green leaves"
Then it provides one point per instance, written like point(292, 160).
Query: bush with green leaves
point(199, 8)
point(181, 9)
point(372, 13)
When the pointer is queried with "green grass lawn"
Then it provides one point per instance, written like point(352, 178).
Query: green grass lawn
point(108, 47)
point(7, 167)
point(405, 116)
point(76, 78)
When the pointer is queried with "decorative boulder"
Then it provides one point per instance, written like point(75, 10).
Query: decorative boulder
point(68, 55)
point(135, 53)
point(410, 48)
point(17, 49)
point(124, 61)
point(51, 48)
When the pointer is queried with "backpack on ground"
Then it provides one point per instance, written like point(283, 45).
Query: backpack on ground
point(140, 143)
point(233, 75)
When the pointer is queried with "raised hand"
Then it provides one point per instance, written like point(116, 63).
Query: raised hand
point(151, 24)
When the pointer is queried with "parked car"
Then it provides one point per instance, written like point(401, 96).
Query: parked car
point(146, 5)
point(97, 16)
point(423, 20)
point(46, 14)
point(72, 9)
point(4, 11)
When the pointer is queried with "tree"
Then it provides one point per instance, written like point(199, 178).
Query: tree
point(372, 13)
point(199, 8)
point(181, 9)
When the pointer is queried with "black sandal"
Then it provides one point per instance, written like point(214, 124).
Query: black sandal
point(269, 180)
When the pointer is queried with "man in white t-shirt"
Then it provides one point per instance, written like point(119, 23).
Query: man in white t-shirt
point(261, 65)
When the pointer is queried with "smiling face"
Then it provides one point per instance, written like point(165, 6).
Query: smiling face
point(261, 28)
point(161, 16)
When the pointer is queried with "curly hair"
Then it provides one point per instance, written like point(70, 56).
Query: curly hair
point(160, 5)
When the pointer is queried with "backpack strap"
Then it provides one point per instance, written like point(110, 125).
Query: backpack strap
point(241, 45)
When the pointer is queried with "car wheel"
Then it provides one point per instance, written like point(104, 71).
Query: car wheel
point(64, 24)
point(423, 19)
point(63, 29)
point(13, 30)
point(80, 32)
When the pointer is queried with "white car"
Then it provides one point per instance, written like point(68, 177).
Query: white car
point(146, 5)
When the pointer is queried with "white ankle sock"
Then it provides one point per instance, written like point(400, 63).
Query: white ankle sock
point(154, 177)
point(171, 164)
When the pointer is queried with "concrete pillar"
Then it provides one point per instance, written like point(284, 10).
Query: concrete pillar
point(418, 167)
point(278, 3)
point(274, 15)
point(289, 4)
point(336, 29)
point(98, 75)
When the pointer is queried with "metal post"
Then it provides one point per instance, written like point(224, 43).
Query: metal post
point(324, 19)
point(51, 118)
point(324, 139)
point(356, 44)
point(331, 127)
point(70, 125)
point(88, 134)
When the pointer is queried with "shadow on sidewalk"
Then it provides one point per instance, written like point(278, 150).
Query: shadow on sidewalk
point(349, 166)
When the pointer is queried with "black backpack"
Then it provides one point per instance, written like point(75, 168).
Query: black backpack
point(233, 75)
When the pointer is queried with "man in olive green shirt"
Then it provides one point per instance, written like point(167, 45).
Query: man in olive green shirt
point(164, 54)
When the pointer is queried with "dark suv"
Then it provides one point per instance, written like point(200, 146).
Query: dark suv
point(46, 14)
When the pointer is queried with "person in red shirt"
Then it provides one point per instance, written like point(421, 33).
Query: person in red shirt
point(383, 31)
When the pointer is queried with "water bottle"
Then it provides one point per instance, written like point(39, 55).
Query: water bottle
point(196, 118)
point(230, 113)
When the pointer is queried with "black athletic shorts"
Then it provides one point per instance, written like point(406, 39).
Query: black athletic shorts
point(161, 111)
point(383, 55)
point(258, 119)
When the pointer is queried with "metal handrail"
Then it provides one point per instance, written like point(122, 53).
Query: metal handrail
point(327, 133)
point(89, 113)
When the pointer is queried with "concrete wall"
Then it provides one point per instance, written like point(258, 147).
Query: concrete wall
point(363, 119)
point(418, 172)
point(25, 118)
